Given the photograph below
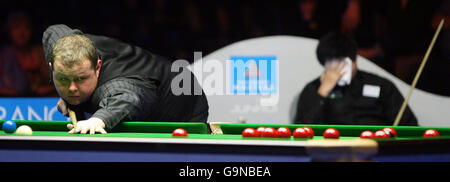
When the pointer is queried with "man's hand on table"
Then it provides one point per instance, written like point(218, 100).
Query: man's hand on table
point(92, 125)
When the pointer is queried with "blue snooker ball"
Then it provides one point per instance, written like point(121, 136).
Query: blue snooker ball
point(9, 126)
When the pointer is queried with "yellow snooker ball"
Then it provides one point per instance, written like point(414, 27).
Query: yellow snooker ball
point(24, 130)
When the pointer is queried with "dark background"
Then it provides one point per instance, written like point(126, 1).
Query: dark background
point(393, 36)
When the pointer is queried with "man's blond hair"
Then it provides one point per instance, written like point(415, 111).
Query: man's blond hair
point(73, 49)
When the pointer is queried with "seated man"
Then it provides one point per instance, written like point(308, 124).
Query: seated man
point(345, 95)
point(106, 81)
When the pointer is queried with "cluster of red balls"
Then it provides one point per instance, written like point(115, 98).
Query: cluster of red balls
point(281, 132)
point(389, 132)
point(307, 132)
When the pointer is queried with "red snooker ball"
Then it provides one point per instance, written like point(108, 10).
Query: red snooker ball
point(390, 131)
point(269, 132)
point(301, 133)
point(367, 134)
point(331, 133)
point(180, 132)
point(283, 132)
point(381, 134)
point(431, 133)
point(249, 132)
point(310, 131)
point(260, 131)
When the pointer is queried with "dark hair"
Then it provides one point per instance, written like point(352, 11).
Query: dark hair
point(336, 45)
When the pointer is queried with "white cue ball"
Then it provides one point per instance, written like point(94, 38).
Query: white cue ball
point(24, 130)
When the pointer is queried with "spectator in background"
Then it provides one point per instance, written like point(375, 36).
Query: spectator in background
point(24, 72)
point(444, 41)
point(13, 81)
point(407, 34)
point(304, 20)
point(191, 31)
point(359, 21)
point(436, 77)
point(351, 18)
point(223, 26)
point(307, 10)
point(364, 21)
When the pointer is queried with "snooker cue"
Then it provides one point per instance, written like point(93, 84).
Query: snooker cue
point(422, 65)
point(73, 117)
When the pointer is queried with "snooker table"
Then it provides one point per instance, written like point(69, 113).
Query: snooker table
point(153, 142)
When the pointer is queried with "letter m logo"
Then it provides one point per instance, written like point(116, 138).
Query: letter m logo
point(253, 75)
